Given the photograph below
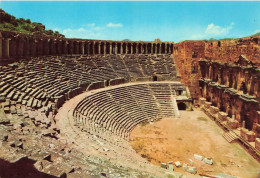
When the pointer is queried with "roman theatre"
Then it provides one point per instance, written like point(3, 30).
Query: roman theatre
point(95, 108)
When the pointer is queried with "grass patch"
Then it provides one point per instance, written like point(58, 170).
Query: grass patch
point(202, 119)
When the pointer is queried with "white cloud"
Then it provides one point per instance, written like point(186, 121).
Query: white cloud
point(90, 31)
point(213, 31)
point(256, 31)
point(81, 33)
point(114, 25)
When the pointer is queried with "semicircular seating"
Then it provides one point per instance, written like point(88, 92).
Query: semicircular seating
point(120, 109)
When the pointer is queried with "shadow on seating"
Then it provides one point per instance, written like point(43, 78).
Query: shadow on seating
point(23, 168)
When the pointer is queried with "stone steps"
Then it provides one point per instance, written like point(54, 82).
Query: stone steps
point(230, 137)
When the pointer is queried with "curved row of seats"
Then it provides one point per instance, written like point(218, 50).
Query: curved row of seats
point(39, 86)
point(119, 110)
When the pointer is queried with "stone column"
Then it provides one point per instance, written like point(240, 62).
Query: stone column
point(99, 47)
point(33, 47)
point(110, 48)
point(1, 45)
point(127, 48)
point(64, 47)
point(93, 48)
point(59, 47)
point(171, 48)
point(105, 48)
point(142, 48)
point(26, 47)
point(45, 47)
point(13, 47)
point(132, 48)
point(6, 52)
point(155, 48)
point(20, 45)
point(82, 49)
point(151, 48)
point(122, 49)
point(115, 48)
point(77, 47)
point(88, 47)
point(160, 48)
point(39, 47)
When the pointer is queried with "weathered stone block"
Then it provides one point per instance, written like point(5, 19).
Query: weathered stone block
point(191, 162)
point(163, 165)
point(213, 109)
point(249, 136)
point(208, 161)
point(170, 166)
point(198, 157)
point(202, 101)
point(192, 170)
point(177, 164)
point(185, 167)
point(222, 116)
point(207, 104)
point(233, 124)
point(257, 143)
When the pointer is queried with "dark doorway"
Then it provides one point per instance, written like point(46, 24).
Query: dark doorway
point(181, 106)
point(154, 78)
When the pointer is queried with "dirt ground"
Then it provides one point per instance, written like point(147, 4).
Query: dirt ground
point(178, 139)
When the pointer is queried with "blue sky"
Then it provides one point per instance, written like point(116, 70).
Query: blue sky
point(169, 20)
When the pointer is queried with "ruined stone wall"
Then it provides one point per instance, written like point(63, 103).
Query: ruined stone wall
point(230, 50)
point(234, 89)
point(16, 45)
point(186, 56)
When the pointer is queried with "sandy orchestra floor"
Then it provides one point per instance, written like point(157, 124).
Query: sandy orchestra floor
point(178, 139)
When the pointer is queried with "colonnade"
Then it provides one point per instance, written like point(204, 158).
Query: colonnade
point(30, 46)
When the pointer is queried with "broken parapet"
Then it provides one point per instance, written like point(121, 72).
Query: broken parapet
point(163, 165)
point(191, 162)
point(208, 161)
point(192, 170)
point(198, 157)
point(185, 166)
point(170, 167)
point(177, 164)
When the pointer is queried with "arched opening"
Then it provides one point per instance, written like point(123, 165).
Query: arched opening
point(128, 48)
point(107, 48)
point(181, 106)
point(243, 87)
point(134, 48)
point(96, 48)
point(91, 48)
point(139, 48)
point(118, 48)
point(124, 48)
point(163, 48)
point(102, 48)
point(158, 49)
point(149, 47)
point(76, 47)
